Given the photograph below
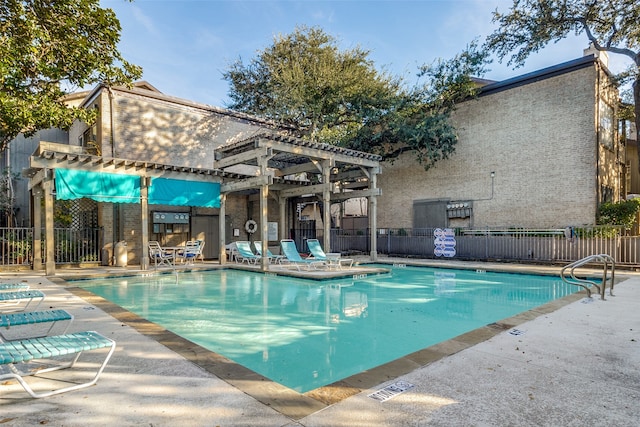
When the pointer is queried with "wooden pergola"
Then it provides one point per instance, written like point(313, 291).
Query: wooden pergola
point(284, 167)
point(290, 167)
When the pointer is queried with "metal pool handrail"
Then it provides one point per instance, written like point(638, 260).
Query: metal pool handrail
point(605, 259)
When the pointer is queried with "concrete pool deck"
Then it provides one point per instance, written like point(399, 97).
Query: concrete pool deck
point(565, 363)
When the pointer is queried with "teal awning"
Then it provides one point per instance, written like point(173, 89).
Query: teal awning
point(115, 188)
point(99, 186)
point(176, 192)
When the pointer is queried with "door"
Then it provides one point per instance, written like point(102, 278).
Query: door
point(206, 228)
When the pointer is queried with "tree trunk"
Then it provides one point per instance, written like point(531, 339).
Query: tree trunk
point(636, 100)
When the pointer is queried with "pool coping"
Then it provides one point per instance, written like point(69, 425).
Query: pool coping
point(283, 399)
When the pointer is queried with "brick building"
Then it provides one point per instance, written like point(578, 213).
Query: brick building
point(537, 151)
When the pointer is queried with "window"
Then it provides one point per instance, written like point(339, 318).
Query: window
point(89, 139)
point(606, 194)
point(605, 124)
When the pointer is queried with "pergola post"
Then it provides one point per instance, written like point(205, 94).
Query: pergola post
point(222, 230)
point(282, 204)
point(50, 262)
point(144, 220)
point(373, 214)
point(36, 202)
point(264, 213)
point(326, 203)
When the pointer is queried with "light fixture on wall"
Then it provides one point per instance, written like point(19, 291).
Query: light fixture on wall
point(493, 175)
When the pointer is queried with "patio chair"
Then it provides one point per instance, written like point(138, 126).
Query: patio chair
point(16, 354)
point(159, 255)
point(277, 259)
point(190, 252)
point(200, 253)
point(232, 252)
point(245, 253)
point(13, 320)
point(293, 256)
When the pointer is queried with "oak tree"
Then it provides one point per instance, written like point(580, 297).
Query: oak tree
point(611, 25)
point(337, 96)
point(49, 49)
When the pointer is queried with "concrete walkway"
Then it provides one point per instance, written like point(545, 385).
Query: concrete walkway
point(576, 366)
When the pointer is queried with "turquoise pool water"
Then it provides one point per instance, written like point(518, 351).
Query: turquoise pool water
point(305, 333)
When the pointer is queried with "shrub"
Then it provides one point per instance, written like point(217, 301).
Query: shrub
point(621, 213)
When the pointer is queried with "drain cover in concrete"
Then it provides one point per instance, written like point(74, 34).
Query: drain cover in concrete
point(391, 390)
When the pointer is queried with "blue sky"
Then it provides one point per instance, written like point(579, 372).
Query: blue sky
point(185, 45)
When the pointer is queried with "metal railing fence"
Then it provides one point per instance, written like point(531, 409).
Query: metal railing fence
point(504, 244)
point(72, 246)
point(16, 245)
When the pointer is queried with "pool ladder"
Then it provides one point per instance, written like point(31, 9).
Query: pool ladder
point(607, 262)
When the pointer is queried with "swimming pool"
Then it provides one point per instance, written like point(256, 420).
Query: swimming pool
point(305, 334)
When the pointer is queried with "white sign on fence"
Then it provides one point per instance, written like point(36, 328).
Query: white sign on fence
point(445, 242)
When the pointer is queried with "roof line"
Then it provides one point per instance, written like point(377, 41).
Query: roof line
point(538, 75)
point(181, 101)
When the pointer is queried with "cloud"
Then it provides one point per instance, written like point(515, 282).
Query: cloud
point(144, 20)
point(205, 39)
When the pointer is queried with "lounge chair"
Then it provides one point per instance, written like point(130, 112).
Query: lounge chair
point(332, 259)
point(293, 256)
point(17, 353)
point(316, 250)
point(19, 300)
point(159, 255)
point(245, 253)
point(10, 287)
point(8, 321)
point(277, 259)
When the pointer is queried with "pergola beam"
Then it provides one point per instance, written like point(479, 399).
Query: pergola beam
point(241, 158)
point(247, 184)
point(317, 152)
point(371, 192)
point(37, 179)
point(309, 189)
point(313, 165)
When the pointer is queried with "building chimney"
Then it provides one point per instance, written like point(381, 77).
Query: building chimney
point(600, 54)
